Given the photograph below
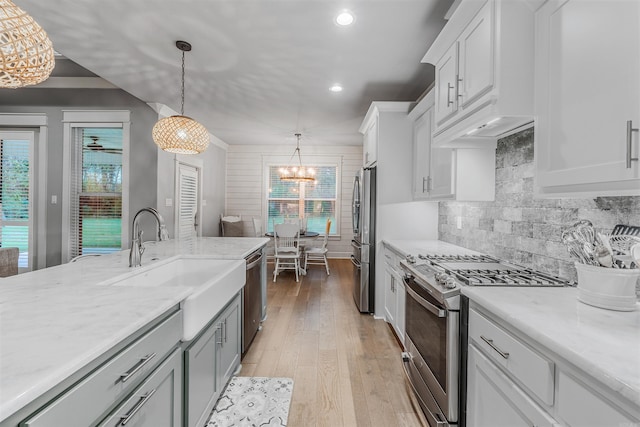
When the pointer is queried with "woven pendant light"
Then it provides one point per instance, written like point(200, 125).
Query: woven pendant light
point(180, 134)
point(26, 53)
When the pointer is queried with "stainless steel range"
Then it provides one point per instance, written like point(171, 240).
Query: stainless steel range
point(435, 340)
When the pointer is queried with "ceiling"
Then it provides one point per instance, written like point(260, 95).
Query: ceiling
point(260, 70)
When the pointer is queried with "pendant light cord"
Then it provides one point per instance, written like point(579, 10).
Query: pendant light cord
point(182, 98)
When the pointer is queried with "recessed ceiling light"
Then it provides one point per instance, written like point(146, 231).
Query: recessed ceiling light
point(336, 88)
point(345, 18)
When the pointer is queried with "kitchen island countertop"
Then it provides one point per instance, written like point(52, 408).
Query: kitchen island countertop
point(56, 320)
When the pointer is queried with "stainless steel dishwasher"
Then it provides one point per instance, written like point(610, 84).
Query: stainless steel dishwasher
point(252, 297)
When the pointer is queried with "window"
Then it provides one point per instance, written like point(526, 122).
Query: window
point(16, 183)
point(95, 188)
point(96, 191)
point(316, 201)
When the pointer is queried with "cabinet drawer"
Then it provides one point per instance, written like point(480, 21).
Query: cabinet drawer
point(580, 407)
point(533, 370)
point(88, 400)
point(157, 402)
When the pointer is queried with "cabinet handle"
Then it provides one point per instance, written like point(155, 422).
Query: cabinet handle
point(143, 399)
point(425, 179)
point(449, 101)
point(225, 330)
point(219, 328)
point(458, 91)
point(504, 354)
point(127, 375)
point(630, 130)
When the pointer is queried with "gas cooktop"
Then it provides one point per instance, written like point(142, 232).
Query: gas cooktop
point(482, 270)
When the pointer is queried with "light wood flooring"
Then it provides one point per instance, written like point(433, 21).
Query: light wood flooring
point(346, 366)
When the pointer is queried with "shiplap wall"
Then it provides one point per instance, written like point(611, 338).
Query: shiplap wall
point(245, 189)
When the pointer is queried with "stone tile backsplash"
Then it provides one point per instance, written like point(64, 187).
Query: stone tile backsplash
point(522, 229)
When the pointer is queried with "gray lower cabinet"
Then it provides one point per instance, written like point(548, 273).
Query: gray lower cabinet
point(210, 360)
point(95, 396)
point(158, 400)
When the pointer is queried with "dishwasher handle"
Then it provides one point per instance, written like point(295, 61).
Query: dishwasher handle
point(254, 259)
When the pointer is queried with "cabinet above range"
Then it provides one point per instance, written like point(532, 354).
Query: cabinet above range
point(484, 67)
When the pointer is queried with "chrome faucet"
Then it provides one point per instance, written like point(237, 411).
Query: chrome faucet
point(137, 245)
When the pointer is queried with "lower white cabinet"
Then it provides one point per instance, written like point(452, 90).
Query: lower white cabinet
point(512, 381)
point(496, 401)
point(394, 292)
point(158, 400)
point(210, 360)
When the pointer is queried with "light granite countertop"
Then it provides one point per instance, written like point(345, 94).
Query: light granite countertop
point(56, 320)
point(603, 344)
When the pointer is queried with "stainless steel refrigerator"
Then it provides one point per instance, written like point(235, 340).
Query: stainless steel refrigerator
point(363, 212)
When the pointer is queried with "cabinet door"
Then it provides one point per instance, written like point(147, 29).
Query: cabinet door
point(389, 296)
point(587, 89)
point(442, 182)
point(476, 57)
point(494, 400)
point(157, 402)
point(229, 350)
point(370, 143)
point(422, 129)
point(446, 72)
point(201, 385)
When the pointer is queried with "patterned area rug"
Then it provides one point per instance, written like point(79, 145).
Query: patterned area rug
point(253, 402)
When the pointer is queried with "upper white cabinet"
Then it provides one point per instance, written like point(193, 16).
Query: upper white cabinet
point(587, 98)
point(370, 143)
point(483, 62)
point(447, 173)
point(387, 133)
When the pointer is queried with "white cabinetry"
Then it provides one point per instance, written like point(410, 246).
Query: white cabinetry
point(394, 292)
point(483, 62)
point(387, 132)
point(587, 100)
point(447, 173)
point(513, 381)
point(370, 143)
point(495, 400)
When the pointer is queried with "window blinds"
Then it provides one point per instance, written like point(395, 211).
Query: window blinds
point(15, 196)
point(96, 191)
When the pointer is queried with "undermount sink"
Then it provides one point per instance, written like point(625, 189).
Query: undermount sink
point(214, 284)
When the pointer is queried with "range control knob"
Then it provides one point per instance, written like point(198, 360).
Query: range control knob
point(442, 277)
point(449, 283)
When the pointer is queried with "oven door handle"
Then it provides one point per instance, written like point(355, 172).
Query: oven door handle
point(426, 304)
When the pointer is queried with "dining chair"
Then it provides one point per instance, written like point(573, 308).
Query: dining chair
point(257, 227)
point(231, 226)
point(9, 261)
point(318, 255)
point(287, 248)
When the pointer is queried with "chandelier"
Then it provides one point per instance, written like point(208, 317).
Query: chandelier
point(180, 134)
point(26, 53)
point(297, 173)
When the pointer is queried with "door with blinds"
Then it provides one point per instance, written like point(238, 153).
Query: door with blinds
point(187, 208)
point(16, 197)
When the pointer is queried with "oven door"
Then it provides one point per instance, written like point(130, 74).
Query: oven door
point(432, 347)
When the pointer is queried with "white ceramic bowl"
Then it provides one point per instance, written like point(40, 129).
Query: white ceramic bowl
point(609, 288)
